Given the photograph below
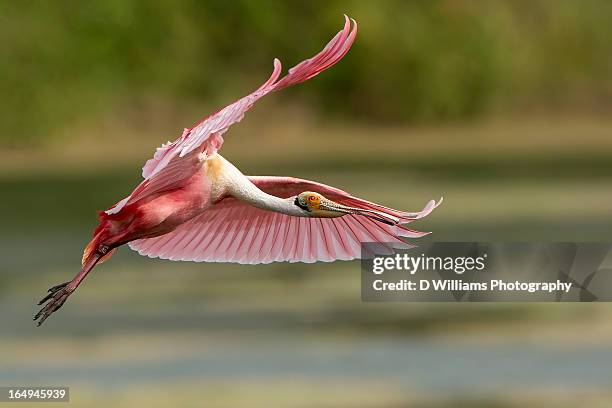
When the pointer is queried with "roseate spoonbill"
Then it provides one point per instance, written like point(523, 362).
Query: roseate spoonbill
point(194, 205)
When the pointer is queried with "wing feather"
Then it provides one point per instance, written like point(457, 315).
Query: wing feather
point(175, 162)
point(233, 231)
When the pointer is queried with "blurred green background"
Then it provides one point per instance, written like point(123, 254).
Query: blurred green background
point(502, 107)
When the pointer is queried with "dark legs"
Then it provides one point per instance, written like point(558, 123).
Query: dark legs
point(59, 293)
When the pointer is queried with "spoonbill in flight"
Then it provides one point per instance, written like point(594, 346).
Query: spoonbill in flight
point(194, 205)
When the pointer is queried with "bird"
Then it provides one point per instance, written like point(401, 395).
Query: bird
point(194, 205)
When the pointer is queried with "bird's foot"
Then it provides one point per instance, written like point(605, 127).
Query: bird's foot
point(56, 297)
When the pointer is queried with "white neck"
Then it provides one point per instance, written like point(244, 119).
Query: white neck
point(249, 193)
point(234, 183)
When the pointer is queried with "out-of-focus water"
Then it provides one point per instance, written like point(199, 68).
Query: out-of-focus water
point(126, 325)
point(432, 366)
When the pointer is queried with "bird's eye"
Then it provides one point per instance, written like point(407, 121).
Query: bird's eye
point(312, 198)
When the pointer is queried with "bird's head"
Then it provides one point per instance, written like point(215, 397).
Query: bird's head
point(314, 203)
point(317, 206)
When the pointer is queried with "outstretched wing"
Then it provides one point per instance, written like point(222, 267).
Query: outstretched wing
point(175, 162)
point(233, 231)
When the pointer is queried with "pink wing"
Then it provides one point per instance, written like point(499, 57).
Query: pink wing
point(175, 162)
point(233, 231)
